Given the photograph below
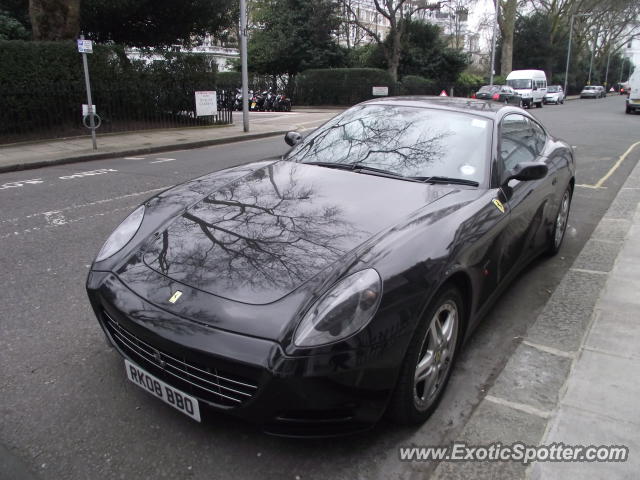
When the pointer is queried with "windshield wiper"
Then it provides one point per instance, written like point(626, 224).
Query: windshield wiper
point(341, 166)
point(456, 181)
point(358, 168)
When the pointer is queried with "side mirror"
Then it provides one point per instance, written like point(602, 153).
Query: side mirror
point(292, 138)
point(526, 171)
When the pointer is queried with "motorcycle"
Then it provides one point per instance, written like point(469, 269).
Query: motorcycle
point(237, 103)
point(269, 100)
point(282, 103)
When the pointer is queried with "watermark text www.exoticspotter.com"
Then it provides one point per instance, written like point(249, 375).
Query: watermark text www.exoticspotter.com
point(516, 452)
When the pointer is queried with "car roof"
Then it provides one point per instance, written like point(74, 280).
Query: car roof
point(484, 108)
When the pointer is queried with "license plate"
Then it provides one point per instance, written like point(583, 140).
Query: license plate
point(177, 399)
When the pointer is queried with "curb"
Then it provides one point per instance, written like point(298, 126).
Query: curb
point(137, 151)
point(524, 398)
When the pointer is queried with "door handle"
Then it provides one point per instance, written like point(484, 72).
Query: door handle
point(554, 181)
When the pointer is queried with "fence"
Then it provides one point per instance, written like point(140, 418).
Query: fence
point(58, 112)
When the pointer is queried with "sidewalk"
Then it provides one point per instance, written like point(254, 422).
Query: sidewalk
point(575, 376)
point(22, 156)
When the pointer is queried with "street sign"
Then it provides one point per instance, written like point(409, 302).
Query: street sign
point(443, 94)
point(85, 46)
point(379, 91)
point(206, 104)
point(85, 109)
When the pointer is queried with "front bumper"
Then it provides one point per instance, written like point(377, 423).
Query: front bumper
point(633, 106)
point(320, 395)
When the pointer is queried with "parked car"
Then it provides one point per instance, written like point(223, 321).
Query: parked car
point(530, 84)
point(554, 94)
point(602, 91)
point(632, 102)
point(486, 92)
point(509, 96)
point(314, 292)
point(590, 91)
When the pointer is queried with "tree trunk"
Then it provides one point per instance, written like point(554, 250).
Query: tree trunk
point(393, 53)
point(507, 25)
point(55, 19)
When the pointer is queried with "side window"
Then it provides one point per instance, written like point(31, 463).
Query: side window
point(539, 137)
point(517, 141)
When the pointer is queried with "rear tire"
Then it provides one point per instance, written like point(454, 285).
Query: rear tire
point(428, 361)
point(539, 105)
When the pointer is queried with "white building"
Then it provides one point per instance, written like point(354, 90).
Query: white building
point(220, 55)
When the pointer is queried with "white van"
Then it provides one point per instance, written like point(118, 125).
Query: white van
point(530, 84)
point(633, 101)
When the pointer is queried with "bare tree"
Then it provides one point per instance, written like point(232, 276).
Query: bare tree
point(507, 23)
point(54, 19)
point(601, 27)
point(395, 13)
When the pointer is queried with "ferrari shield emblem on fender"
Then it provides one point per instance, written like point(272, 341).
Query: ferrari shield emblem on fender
point(498, 204)
point(174, 298)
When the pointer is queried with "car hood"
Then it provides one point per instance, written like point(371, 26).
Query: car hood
point(260, 237)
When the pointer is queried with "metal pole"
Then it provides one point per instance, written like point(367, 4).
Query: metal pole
point(493, 43)
point(92, 120)
point(245, 70)
point(593, 51)
point(606, 75)
point(566, 71)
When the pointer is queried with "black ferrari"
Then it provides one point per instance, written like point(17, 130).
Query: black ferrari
point(313, 293)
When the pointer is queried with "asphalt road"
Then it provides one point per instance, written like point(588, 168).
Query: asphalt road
point(67, 410)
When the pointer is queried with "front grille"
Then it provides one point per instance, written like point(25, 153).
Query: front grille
point(207, 383)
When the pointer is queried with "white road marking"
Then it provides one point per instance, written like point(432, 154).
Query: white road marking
point(90, 173)
point(134, 158)
point(21, 183)
point(163, 160)
point(84, 205)
point(66, 222)
point(55, 218)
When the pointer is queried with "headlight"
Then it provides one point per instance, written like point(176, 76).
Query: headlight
point(344, 310)
point(121, 235)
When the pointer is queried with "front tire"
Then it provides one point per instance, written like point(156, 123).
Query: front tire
point(560, 223)
point(428, 362)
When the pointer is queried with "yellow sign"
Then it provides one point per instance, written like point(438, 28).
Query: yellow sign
point(498, 204)
point(174, 298)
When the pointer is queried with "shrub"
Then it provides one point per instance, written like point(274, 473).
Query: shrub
point(339, 86)
point(417, 85)
point(467, 83)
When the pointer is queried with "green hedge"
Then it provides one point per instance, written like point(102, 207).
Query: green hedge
point(42, 85)
point(416, 85)
point(340, 86)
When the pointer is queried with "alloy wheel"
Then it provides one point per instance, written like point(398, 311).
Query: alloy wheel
point(561, 219)
point(436, 355)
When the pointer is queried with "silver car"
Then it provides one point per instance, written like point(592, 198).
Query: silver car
point(590, 91)
point(554, 94)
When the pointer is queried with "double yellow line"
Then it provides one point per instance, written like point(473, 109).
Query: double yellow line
point(613, 168)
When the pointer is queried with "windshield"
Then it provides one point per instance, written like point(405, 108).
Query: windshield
point(553, 89)
point(589, 88)
point(406, 141)
point(486, 88)
point(519, 83)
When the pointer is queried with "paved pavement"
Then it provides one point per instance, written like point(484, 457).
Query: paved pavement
point(21, 156)
point(575, 377)
point(68, 412)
